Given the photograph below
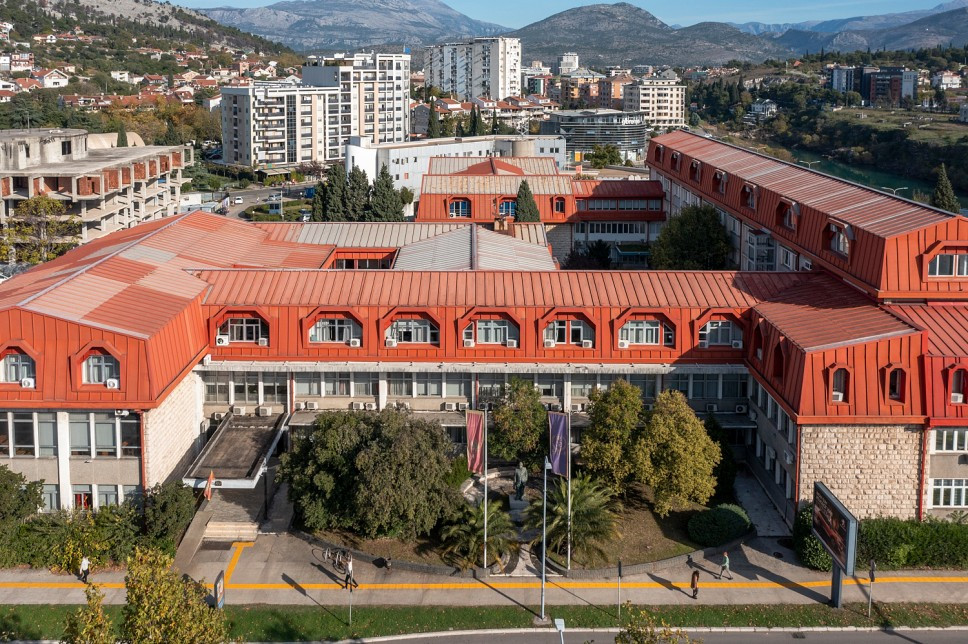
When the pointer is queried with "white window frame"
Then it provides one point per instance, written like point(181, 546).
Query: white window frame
point(949, 493)
point(413, 331)
point(244, 330)
point(569, 331)
point(98, 368)
point(712, 333)
point(335, 331)
point(16, 367)
point(956, 265)
point(950, 439)
point(647, 332)
point(491, 331)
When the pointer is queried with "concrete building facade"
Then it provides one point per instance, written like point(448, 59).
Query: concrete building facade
point(661, 100)
point(482, 67)
point(584, 129)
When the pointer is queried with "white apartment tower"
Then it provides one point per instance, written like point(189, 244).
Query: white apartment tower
point(482, 67)
point(277, 124)
point(661, 99)
point(567, 62)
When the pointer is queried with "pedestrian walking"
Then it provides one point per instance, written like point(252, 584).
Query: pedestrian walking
point(349, 572)
point(724, 569)
point(85, 568)
point(695, 584)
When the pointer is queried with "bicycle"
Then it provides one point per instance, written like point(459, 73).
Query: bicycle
point(336, 557)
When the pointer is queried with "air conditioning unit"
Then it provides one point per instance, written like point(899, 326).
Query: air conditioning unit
point(221, 340)
point(263, 342)
point(354, 343)
point(484, 406)
point(468, 344)
point(740, 409)
point(218, 415)
point(788, 457)
point(121, 413)
point(450, 406)
point(403, 405)
point(312, 406)
point(28, 383)
point(357, 406)
point(712, 408)
point(112, 383)
point(371, 406)
point(587, 344)
point(263, 411)
point(549, 344)
point(838, 396)
point(463, 406)
point(511, 344)
point(957, 398)
point(703, 344)
point(554, 407)
point(623, 344)
point(300, 406)
point(577, 408)
point(238, 410)
point(737, 344)
point(648, 406)
point(391, 342)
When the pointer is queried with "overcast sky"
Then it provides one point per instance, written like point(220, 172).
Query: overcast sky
point(515, 13)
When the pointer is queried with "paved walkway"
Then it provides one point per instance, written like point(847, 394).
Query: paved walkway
point(283, 569)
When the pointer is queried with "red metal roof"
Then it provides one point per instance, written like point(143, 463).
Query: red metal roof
point(617, 189)
point(712, 289)
point(946, 324)
point(824, 313)
point(880, 214)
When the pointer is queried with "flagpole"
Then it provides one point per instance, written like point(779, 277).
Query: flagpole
point(485, 494)
point(544, 535)
point(568, 447)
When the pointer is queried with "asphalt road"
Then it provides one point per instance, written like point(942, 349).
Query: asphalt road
point(743, 637)
point(254, 196)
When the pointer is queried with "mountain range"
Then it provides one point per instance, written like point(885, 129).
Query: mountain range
point(353, 24)
point(856, 23)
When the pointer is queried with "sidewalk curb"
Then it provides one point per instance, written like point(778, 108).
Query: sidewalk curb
point(697, 629)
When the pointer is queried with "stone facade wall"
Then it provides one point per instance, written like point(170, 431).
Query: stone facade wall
point(561, 240)
point(873, 469)
point(173, 434)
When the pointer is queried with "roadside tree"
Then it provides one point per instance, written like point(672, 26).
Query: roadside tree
point(520, 423)
point(615, 426)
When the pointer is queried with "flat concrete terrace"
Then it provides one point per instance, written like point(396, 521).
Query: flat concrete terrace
point(98, 160)
point(236, 451)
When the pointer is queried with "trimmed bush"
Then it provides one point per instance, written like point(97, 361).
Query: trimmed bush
point(899, 543)
point(718, 525)
point(807, 546)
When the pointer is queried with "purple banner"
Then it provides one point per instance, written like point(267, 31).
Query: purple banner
point(475, 441)
point(560, 445)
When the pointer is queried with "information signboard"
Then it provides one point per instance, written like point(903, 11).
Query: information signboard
point(835, 526)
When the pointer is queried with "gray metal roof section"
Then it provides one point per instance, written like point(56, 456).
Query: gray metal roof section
point(474, 248)
point(529, 165)
point(372, 234)
point(494, 185)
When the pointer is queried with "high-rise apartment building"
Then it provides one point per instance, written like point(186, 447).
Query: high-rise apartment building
point(661, 99)
point(482, 67)
point(567, 62)
point(285, 124)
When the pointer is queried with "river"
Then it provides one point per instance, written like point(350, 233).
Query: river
point(869, 177)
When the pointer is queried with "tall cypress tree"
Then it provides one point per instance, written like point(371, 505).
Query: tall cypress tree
point(495, 126)
point(527, 209)
point(122, 136)
point(334, 199)
point(472, 123)
point(319, 202)
point(386, 204)
point(358, 196)
point(944, 195)
point(433, 123)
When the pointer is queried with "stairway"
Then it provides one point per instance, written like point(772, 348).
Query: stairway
point(231, 531)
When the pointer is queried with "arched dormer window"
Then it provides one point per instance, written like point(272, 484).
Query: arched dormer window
point(957, 380)
point(18, 368)
point(839, 237)
point(569, 331)
point(412, 330)
point(695, 171)
point(243, 329)
point(508, 207)
point(721, 333)
point(676, 161)
point(101, 368)
point(719, 181)
point(491, 330)
point(896, 384)
point(787, 214)
point(748, 196)
point(778, 363)
point(758, 343)
point(649, 331)
point(659, 153)
point(332, 329)
point(459, 209)
point(559, 205)
point(839, 385)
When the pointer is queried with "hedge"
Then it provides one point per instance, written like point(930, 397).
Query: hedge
point(718, 525)
point(892, 543)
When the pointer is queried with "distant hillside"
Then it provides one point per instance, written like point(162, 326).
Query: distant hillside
point(932, 31)
point(126, 19)
point(856, 23)
point(353, 24)
point(623, 33)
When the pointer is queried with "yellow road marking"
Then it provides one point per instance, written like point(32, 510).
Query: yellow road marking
point(238, 547)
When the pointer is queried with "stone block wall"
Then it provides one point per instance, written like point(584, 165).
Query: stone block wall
point(172, 432)
point(873, 469)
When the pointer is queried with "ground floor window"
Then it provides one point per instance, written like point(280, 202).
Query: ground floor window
point(107, 495)
point(51, 497)
point(949, 493)
point(951, 440)
point(83, 499)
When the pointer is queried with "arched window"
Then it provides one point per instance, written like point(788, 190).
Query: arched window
point(659, 153)
point(676, 161)
point(720, 333)
point(569, 331)
point(749, 196)
point(102, 368)
point(958, 386)
point(460, 208)
point(838, 388)
point(778, 363)
point(896, 385)
point(649, 331)
point(18, 367)
point(786, 215)
point(338, 330)
point(758, 343)
point(559, 206)
point(412, 330)
point(508, 207)
point(243, 330)
point(491, 331)
point(719, 181)
point(695, 171)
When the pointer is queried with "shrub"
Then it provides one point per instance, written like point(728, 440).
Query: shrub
point(458, 472)
point(718, 525)
point(807, 546)
point(168, 509)
point(900, 543)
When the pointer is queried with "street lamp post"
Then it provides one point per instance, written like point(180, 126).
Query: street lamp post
point(894, 191)
point(544, 536)
point(809, 164)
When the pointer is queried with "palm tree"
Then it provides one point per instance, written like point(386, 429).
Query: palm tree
point(594, 517)
point(463, 538)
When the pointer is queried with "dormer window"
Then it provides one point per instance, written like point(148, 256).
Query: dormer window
point(778, 366)
point(336, 330)
point(659, 153)
point(949, 265)
point(719, 181)
point(491, 331)
point(571, 331)
point(652, 332)
point(508, 208)
point(413, 331)
point(676, 161)
point(719, 333)
point(838, 389)
point(839, 239)
point(102, 369)
point(460, 209)
point(896, 385)
point(695, 171)
point(758, 343)
point(749, 196)
point(958, 387)
point(243, 330)
point(18, 367)
point(559, 206)
point(786, 215)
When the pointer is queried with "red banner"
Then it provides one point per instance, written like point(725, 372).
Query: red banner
point(208, 486)
point(475, 441)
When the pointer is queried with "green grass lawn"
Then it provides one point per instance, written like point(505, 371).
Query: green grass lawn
point(299, 623)
point(922, 126)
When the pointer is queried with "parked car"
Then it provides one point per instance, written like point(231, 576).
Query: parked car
point(237, 201)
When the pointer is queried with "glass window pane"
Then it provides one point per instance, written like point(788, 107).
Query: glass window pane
point(51, 497)
point(458, 385)
point(23, 434)
point(47, 433)
point(105, 441)
point(107, 495)
point(80, 435)
point(130, 436)
point(308, 384)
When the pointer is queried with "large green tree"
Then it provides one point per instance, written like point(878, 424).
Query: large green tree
point(319, 202)
point(386, 203)
point(433, 123)
point(19, 499)
point(603, 155)
point(615, 426)
point(90, 624)
point(594, 518)
point(41, 229)
point(693, 240)
point(122, 136)
point(526, 209)
point(675, 456)
point(377, 474)
point(358, 195)
point(463, 536)
point(334, 197)
point(520, 423)
point(162, 606)
point(943, 196)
